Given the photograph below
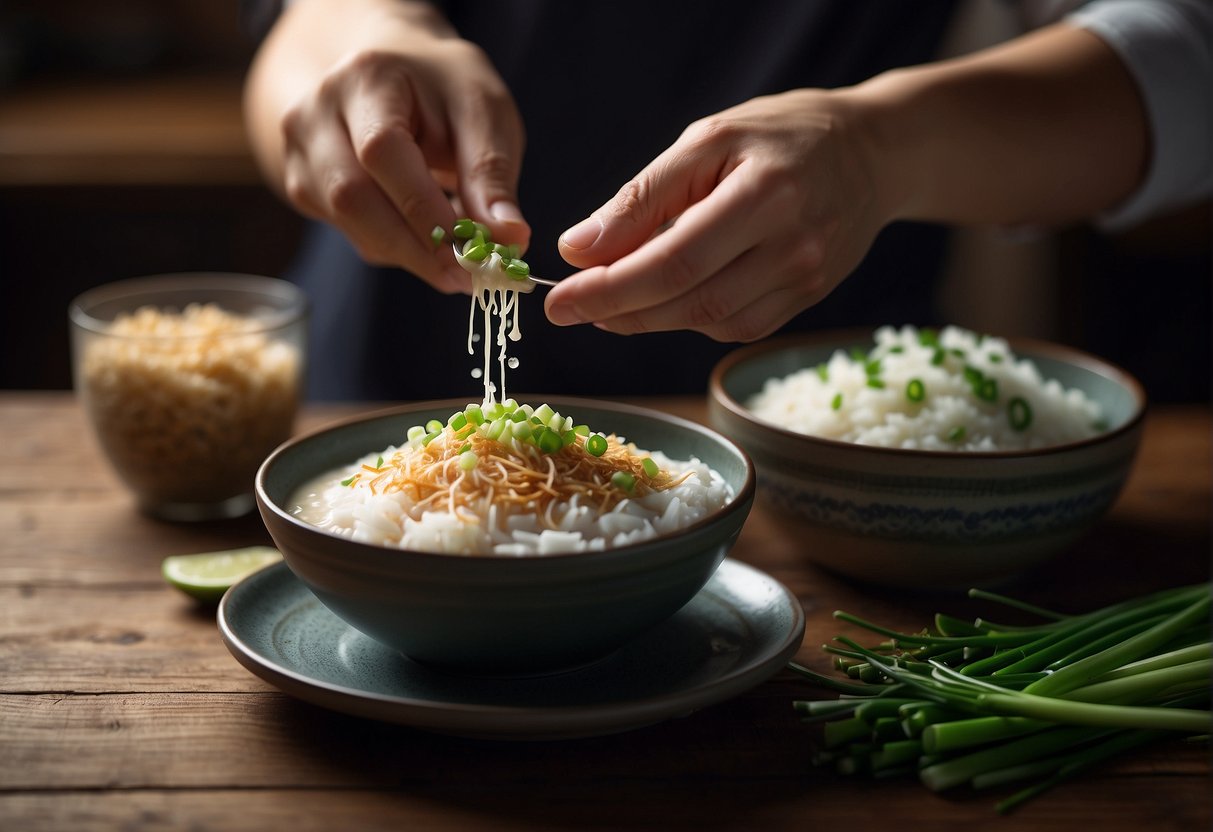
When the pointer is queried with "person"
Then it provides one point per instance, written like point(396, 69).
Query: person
point(712, 172)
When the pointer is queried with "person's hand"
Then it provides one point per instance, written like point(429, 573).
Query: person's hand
point(404, 135)
point(772, 202)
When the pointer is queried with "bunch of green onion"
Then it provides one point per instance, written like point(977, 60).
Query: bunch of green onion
point(991, 705)
point(478, 245)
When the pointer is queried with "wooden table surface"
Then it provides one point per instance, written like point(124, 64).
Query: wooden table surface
point(121, 708)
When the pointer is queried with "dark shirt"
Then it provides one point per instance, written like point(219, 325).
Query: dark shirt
point(603, 88)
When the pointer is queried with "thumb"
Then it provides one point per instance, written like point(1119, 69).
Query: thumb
point(641, 209)
point(488, 153)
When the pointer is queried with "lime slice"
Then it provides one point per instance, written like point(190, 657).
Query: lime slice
point(207, 575)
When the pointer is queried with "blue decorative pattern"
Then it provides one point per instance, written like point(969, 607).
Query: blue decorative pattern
point(886, 519)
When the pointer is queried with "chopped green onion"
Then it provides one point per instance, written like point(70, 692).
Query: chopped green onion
point(476, 252)
point(437, 235)
point(987, 391)
point(510, 405)
point(1019, 413)
point(518, 415)
point(872, 368)
point(502, 251)
point(518, 268)
point(938, 357)
point(928, 337)
point(350, 480)
point(624, 480)
point(515, 251)
point(956, 434)
point(457, 421)
point(581, 430)
point(596, 445)
point(415, 433)
point(548, 440)
point(468, 460)
point(430, 437)
point(836, 404)
point(474, 414)
point(433, 425)
point(464, 229)
point(543, 413)
point(858, 355)
point(916, 391)
point(496, 428)
point(995, 358)
point(379, 464)
point(483, 232)
point(568, 438)
point(875, 383)
point(823, 372)
point(650, 467)
point(521, 430)
point(896, 349)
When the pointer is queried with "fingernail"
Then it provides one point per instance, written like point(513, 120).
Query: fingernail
point(583, 234)
point(505, 212)
point(562, 314)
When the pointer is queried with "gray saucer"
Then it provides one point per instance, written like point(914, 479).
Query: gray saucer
point(737, 632)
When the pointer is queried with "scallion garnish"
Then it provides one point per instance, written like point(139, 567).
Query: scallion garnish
point(437, 236)
point(464, 229)
point(623, 480)
point(836, 402)
point(1019, 413)
point(956, 434)
point(649, 466)
point(596, 444)
point(350, 480)
point(916, 391)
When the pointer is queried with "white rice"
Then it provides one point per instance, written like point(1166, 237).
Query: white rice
point(837, 401)
point(391, 519)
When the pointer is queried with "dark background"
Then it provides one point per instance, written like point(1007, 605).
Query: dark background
point(122, 154)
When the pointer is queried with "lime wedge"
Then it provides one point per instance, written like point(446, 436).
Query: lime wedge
point(207, 575)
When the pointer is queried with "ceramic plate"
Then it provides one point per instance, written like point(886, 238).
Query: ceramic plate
point(740, 629)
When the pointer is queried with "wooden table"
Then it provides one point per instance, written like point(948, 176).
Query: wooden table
point(120, 708)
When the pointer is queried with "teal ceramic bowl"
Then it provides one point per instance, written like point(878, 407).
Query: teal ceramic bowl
point(503, 615)
point(928, 519)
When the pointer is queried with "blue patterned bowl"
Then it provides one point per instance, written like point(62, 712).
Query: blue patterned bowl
point(929, 519)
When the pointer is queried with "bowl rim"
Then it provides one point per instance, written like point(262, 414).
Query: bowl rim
point(297, 306)
point(740, 501)
point(1022, 347)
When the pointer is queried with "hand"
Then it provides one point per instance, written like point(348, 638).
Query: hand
point(377, 145)
point(773, 203)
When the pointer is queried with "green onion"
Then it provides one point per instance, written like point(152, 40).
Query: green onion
point(596, 445)
point(430, 437)
point(916, 391)
point(938, 357)
point(548, 440)
point(437, 236)
point(994, 358)
point(987, 391)
point(568, 437)
point(650, 467)
point(518, 268)
point(543, 413)
point(928, 337)
point(858, 355)
point(474, 414)
point(876, 384)
point(379, 463)
point(581, 430)
point(482, 231)
point(623, 480)
point(433, 425)
point(476, 252)
point(415, 433)
point(496, 428)
point(521, 430)
point(464, 229)
point(457, 421)
point(836, 403)
point(823, 372)
point(950, 706)
point(956, 434)
point(1019, 413)
point(468, 460)
point(350, 480)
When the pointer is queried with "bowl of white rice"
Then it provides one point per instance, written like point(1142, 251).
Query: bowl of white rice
point(939, 459)
point(506, 539)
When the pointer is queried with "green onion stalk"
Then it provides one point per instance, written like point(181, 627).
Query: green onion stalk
point(989, 705)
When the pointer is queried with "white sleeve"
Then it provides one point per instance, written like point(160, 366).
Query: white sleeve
point(1167, 46)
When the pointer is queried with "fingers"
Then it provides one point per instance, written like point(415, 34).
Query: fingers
point(488, 140)
point(641, 208)
point(672, 268)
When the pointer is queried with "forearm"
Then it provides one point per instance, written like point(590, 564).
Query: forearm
point(309, 38)
point(1046, 129)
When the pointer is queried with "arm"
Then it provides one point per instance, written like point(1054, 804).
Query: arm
point(778, 200)
point(367, 113)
